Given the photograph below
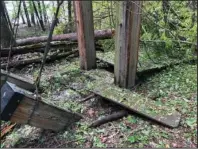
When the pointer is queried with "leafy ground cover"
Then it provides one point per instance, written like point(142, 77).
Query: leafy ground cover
point(63, 86)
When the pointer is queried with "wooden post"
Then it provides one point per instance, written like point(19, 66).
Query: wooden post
point(127, 43)
point(85, 32)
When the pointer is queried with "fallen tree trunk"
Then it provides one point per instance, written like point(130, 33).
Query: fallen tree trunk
point(39, 60)
point(67, 46)
point(40, 47)
point(99, 34)
point(109, 118)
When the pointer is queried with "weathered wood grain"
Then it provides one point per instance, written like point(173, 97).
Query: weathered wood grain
point(45, 116)
point(132, 101)
point(85, 33)
point(127, 42)
point(36, 112)
point(17, 80)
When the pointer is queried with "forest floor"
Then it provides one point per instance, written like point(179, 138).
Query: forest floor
point(63, 86)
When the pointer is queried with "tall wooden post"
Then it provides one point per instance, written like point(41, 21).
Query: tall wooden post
point(127, 43)
point(85, 32)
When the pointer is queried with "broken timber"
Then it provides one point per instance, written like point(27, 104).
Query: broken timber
point(17, 80)
point(132, 101)
point(17, 106)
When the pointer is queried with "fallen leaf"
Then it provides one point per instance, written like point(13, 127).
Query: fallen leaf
point(91, 112)
point(103, 139)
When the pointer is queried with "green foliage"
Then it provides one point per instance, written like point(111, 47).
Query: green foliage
point(131, 119)
point(191, 122)
point(181, 80)
point(180, 24)
point(132, 139)
point(59, 29)
point(104, 14)
point(97, 143)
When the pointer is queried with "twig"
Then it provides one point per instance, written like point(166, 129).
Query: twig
point(109, 118)
point(87, 98)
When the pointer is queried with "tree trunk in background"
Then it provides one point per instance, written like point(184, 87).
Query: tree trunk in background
point(26, 14)
point(194, 8)
point(33, 19)
point(32, 13)
point(40, 10)
point(7, 16)
point(23, 20)
point(57, 22)
point(165, 8)
point(37, 15)
point(6, 31)
point(69, 16)
point(44, 12)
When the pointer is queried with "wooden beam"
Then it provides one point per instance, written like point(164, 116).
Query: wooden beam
point(85, 33)
point(127, 43)
point(131, 101)
point(17, 80)
point(18, 104)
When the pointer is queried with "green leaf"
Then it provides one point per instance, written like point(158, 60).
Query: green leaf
point(132, 139)
point(131, 119)
point(191, 122)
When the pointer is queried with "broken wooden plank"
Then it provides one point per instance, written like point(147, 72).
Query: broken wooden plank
point(17, 80)
point(144, 71)
point(132, 101)
point(44, 116)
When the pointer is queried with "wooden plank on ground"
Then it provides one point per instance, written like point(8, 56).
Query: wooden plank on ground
point(44, 116)
point(17, 80)
point(132, 101)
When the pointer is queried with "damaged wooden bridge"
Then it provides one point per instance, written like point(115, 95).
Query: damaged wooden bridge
point(19, 104)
